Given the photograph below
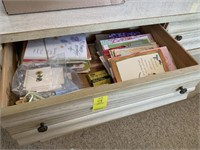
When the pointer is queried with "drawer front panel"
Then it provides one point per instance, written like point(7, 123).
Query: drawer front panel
point(83, 107)
point(101, 117)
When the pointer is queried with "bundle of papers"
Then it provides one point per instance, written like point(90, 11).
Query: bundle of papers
point(141, 64)
point(72, 49)
point(133, 56)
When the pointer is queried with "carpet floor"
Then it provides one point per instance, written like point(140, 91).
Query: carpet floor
point(175, 126)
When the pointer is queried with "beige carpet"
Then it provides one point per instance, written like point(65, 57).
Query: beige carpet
point(170, 127)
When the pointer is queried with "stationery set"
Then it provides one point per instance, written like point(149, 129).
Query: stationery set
point(127, 56)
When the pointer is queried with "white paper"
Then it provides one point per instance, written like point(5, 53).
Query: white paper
point(52, 78)
point(140, 66)
point(35, 49)
point(74, 47)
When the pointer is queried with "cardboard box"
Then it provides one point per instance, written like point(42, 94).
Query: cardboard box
point(28, 6)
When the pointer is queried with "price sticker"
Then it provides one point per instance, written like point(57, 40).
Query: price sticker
point(100, 103)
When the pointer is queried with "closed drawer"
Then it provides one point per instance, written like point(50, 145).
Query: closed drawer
point(189, 40)
point(66, 113)
point(187, 33)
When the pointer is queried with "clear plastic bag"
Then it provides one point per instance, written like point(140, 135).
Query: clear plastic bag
point(44, 79)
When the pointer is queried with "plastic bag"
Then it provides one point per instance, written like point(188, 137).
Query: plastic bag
point(44, 79)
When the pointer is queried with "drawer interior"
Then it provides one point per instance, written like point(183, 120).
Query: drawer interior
point(10, 60)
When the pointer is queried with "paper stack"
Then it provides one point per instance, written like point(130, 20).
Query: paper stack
point(71, 50)
point(127, 56)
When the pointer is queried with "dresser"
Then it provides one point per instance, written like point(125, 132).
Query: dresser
point(56, 116)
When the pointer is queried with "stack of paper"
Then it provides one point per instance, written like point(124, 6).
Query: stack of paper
point(141, 64)
point(134, 56)
point(72, 50)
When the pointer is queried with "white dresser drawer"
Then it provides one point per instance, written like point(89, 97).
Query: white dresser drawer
point(69, 112)
point(61, 128)
point(187, 32)
point(189, 40)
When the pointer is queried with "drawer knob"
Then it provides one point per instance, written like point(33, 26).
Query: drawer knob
point(182, 90)
point(42, 127)
point(178, 37)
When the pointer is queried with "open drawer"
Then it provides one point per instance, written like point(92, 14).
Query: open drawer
point(59, 115)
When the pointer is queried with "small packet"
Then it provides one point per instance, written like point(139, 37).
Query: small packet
point(99, 78)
